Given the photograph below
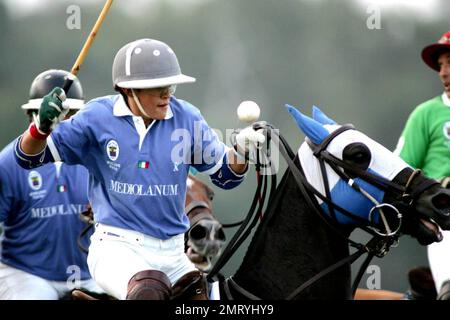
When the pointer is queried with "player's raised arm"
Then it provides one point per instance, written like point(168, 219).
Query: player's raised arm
point(51, 112)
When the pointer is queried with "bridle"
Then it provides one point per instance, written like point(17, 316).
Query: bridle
point(406, 196)
point(382, 240)
point(201, 209)
point(196, 211)
point(324, 157)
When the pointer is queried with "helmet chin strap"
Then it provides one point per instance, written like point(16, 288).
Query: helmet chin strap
point(141, 109)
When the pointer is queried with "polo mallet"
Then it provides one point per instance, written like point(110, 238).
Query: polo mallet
point(84, 51)
point(87, 45)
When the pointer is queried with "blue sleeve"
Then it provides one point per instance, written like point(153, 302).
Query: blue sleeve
point(69, 142)
point(225, 177)
point(207, 149)
point(6, 195)
point(210, 156)
point(27, 161)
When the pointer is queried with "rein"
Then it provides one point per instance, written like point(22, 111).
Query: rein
point(254, 214)
point(378, 246)
point(244, 231)
point(375, 247)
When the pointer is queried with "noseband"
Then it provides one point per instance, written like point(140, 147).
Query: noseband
point(324, 157)
point(198, 210)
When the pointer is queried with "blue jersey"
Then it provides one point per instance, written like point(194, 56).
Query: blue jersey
point(40, 211)
point(138, 174)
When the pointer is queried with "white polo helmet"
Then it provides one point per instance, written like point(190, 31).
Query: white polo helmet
point(147, 63)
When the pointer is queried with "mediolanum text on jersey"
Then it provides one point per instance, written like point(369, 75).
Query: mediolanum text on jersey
point(140, 190)
point(61, 209)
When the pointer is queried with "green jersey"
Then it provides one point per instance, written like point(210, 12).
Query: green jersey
point(425, 141)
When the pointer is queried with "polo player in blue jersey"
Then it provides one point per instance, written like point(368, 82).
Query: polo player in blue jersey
point(138, 146)
point(39, 209)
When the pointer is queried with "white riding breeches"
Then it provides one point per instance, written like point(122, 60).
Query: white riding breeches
point(439, 260)
point(116, 254)
point(16, 284)
point(214, 294)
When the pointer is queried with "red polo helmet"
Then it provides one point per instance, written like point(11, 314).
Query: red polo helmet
point(431, 53)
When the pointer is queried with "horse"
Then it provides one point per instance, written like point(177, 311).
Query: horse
point(339, 180)
point(205, 238)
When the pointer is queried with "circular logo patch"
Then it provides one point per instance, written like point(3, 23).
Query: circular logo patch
point(447, 130)
point(35, 180)
point(112, 150)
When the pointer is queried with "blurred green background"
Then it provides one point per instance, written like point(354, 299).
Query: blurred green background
point(301, 52)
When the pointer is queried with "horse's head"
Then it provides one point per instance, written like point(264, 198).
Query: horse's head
point(367, 184)
point(205, 238)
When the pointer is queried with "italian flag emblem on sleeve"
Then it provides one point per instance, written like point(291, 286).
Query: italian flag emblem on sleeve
point(61, 188)
point(143, 164)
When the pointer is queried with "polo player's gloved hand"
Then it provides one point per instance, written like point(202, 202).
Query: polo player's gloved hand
point(247, 143)
point(52, 111)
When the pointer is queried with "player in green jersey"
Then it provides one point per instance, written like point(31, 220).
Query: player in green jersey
point(425, 145)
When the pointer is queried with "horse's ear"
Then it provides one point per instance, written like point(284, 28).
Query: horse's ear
point(312, 129)
point(321, 117)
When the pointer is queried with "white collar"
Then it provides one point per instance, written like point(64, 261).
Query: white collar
point(121, 109)
point(446, 99)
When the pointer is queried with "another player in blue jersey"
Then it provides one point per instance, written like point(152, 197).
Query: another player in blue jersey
point(40, 208)
point(138, 146)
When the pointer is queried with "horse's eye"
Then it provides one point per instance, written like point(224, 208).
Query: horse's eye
point(357, 154)
point(211, 195)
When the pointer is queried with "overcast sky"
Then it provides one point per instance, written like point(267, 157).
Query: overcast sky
point(20, 8)
point(426, 8)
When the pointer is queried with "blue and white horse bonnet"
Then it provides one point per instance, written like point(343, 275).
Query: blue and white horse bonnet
point(380, 162)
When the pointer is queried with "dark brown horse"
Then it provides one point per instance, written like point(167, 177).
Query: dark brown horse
point(205, 238)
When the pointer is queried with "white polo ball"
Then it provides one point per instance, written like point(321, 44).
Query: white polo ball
point(248, 111)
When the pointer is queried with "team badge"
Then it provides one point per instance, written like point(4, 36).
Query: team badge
point(112, 150)
point(35, 180)
point(447, 130)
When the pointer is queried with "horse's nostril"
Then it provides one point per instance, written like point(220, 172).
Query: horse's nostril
point(197, 232)
point(441, 201)
point(221, 235)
